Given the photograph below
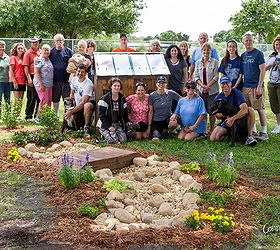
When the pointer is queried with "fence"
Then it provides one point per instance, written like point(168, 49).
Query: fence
point(141, 46)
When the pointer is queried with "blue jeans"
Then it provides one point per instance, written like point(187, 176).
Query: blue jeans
point(5, 88)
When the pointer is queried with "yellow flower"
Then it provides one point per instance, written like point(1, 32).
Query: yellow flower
point(233, 224)
point(221, 210)
point(226, 218)
point(195, 212)
point(185, 217)
point(196, 217)
point(231, 215)
point(225, 223)
point(211, 209)
point(203, 216)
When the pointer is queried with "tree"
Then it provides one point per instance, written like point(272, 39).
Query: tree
point(261, 17)
point(172, 36)
point(226, 35)
point(71, 18)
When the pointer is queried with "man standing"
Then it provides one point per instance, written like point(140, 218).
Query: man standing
point(253, 90)
point(123, 45)
point(59, 57)
point(82, 91)
point(197, 53)
point(28, 63)
point(233, 97)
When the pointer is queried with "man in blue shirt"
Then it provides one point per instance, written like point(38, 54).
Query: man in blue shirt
point(59, 57)
point(197, 53)
point(253, 77)
point(234, 97)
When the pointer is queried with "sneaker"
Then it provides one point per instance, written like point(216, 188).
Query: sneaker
point(262, 136)
point(276, 130)
point(251, 141)
point(86, 131)
point(255, 135)
point(29, 120)
point(36, 120)
point(155, 139)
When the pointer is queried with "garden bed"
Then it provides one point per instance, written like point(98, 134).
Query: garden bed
point(73, 229)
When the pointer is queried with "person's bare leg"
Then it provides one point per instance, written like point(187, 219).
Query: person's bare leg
point(250, 120)
point(88, 109)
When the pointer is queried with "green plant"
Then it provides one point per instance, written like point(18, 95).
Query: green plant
point(48, 119)
point(87, 174)
point(218, 200)
point(13, 155)
point(226, 175)
point(211, 169)
point(23, 137)
point(220, 221)
point(116, 185)
point(158, 158)
point(68, 177)
point(10, 113)
point(78, 134)
point(191, 166)
point(101, 203)
point(88, 210)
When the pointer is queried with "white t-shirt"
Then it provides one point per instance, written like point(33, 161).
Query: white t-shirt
point(81, 89)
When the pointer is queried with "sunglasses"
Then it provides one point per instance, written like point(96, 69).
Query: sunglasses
point(190, 87)
point(140, 84)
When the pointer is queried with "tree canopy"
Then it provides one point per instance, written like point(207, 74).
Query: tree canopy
point(261, 17)
point(225, 36)
point(23, 18)
point(172, 36)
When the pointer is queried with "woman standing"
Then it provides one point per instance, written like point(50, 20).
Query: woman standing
point(231, 65)
point(206, 76)
point(113, 115)
point(184, 47)
point(273, 65)
point(5, 86)
point(16, 71)
point(91, 47)
point(177, 67)
point(192, 112)
point(160, 105)
point(43, 79)
point(138, 106)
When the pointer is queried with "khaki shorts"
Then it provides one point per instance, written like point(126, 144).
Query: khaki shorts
point(251, 100)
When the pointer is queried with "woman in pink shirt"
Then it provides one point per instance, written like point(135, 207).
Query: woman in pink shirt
point(138, 106)
point(16, 69)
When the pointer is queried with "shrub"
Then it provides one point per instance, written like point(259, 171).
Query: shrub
point(48, 119)
point(218, 200)
point(116, 185)
point(68, 177)
point(88, 210)
point(87, 174)
point(101, 203)
point(188, 167)
point(10, 113)
point(23, 137)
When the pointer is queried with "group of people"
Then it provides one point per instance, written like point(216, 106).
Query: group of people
point(179, 103)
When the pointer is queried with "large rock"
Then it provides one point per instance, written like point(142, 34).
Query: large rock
point(190, 198)
point(195, 185)
point(37, 156)
point(128, 201)
point(157, 180)
point(186, 180)
point(122, 228)
point(124, 216)
point(101, 218)
point(146, 217)
point(174, 164)
point(81, 145)
point(157, 188)
point(22, 151)
point(31, 147)
point(133, 227)
point(139, 175)
point(165, 209)
point(177, 174)
point(115, 195)
point(66, 144)
point(56, 147)
point(104, 174)
point(156, 201)
point(113, 204)
point(111, 223)
point(162, 223)
point(140, 161)
point(130, 209)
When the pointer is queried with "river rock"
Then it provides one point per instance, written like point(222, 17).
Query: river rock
point(122, 228)
point(115, 195)
point(177, 174)
point(165, 209)
point(189, 198)
point(133, 227)
point(124, 216)
point(110, 223)
point(139, 175)
point(81, 145)
point(113, 204)
point(128, 201)
point(157, 180)
point(22, 151)
point(156, 201)
point(146, 217)
point(186, 180)
point(140, 161)
point(66, 144)
point(31, 147)
point(101, 218)
point(37, 156)
point(157, 188)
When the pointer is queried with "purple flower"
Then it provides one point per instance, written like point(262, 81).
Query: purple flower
point(87, 157)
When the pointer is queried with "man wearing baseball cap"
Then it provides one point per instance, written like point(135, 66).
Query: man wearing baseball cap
point(236, 98)
point(123, 45)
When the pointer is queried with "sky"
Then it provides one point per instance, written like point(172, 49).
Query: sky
point(187, 16)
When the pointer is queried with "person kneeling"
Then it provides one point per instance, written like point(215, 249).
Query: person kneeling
point(82, 91)
point(113, 115)
point(192, 112)
point(235, 98)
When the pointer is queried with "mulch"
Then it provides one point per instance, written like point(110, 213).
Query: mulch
point(73, 229)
